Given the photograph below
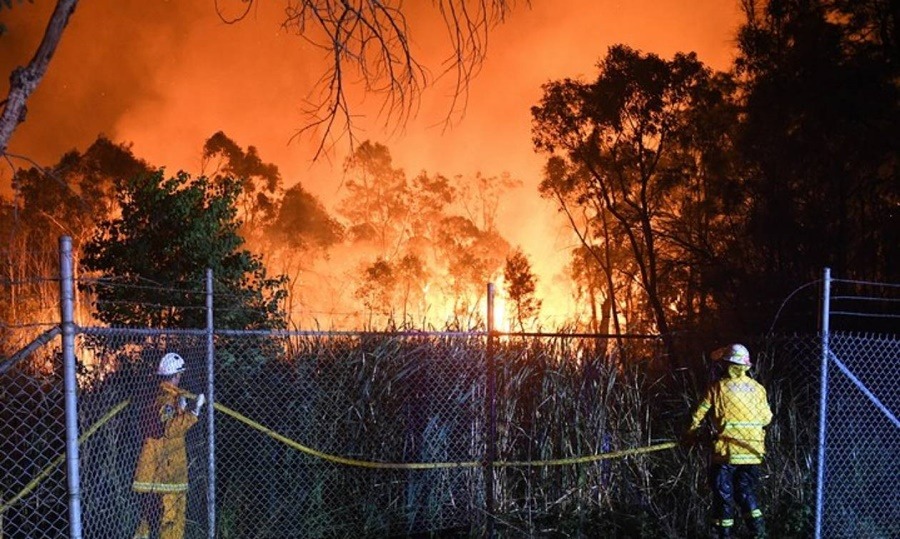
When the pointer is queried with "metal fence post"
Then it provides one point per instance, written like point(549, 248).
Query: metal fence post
point(823, 400)
point(210, 413)
point(491, 412)
point(66, 308)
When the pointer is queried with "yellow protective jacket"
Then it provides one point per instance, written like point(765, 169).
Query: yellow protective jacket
point(162, 465)
point(740, 412)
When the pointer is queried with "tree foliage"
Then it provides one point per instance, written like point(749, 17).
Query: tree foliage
point(629, 156)
point(821, 165)
point(521, 284)
point(303, 224)
point(377, 202)
point(69, 198)
point(732, 189)
point(260, 181)
point(150, 262)
point(422, 234)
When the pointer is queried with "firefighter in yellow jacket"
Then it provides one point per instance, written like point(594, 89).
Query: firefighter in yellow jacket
point(161, 477)
point(739, 410)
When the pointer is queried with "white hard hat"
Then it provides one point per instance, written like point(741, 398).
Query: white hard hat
point(170, 364)
point(733, 353)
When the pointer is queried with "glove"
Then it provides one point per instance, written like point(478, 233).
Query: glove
point(182, 403)
point(201, 400)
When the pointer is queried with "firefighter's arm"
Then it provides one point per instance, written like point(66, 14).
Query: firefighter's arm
point(180, 424)
point(766, 412)
point(181, 420)
point(700, 412)
point(690, 436)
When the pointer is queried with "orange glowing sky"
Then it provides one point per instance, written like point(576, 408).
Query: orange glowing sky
point(165, 75)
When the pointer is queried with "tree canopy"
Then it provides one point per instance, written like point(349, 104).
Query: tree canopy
point(631, 156)
point(719, 194)
point(149, 263)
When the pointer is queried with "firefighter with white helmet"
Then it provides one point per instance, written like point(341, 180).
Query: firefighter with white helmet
point(161, 477)
point(739, 411)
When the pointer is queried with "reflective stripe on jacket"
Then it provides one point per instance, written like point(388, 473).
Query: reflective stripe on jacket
point(740, 412)
point(162, 465)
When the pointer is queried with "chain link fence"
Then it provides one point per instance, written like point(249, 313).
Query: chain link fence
point(862, 440)
point(373, 435)
point(330, 434)
point(33, 489)
point(117, 381)
point(368, 403)
point(788, 367)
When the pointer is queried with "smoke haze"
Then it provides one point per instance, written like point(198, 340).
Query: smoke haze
point(166, 75)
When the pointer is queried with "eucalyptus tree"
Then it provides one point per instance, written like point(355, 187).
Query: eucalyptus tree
point(66, 199)
point(597, 265)
point(627, 156)
point(377, 202)
point(393, 289)
point(261, 183)
point(472, 257)
point(23, 81)
point(521, 285)
point(301, 234)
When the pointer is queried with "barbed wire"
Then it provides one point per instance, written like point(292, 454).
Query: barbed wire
point(787, 299)
point(23, 282)
point(18, 253)
point(121, 330)
point(112, 283)
point(347, 333)
point(864, 315)
point(866, 283)
point(29, 325)
point(147, 304)
point(866, 298)
point(866, 305)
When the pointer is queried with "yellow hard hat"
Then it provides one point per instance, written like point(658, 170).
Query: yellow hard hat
point(733, 353)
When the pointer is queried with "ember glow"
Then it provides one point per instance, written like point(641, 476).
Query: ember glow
point(165, 76)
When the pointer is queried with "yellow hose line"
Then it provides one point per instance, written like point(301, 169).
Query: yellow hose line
point(343, 460)
point(334, 458)
point(590, 458)
point(61, 458)
point(435, 465)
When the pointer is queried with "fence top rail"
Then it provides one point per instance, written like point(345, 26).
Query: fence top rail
point(346, 333)
point(578, 335)
point(42, 339)
point(96, 330)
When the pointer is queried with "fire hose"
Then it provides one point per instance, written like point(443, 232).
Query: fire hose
point(338, 459)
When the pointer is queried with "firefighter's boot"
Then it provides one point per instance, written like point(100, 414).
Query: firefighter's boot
point(757, 527)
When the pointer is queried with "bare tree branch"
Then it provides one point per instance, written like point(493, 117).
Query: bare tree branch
point(369, 39)
point(237, 18)
point(368, 43)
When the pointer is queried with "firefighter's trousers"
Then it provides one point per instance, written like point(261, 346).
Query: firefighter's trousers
point(162, 516)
